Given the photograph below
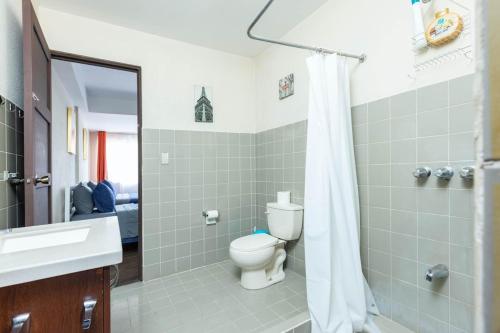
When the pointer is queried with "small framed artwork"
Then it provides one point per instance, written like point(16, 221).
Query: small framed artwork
point(85, 136)
point(203, 109)
point(286, 86)
point(71, 130)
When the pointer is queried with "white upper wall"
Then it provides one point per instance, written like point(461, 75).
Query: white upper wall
point(64, 164)
point(381, 29)
point(11, 51)
point(245, 90)
point(170, 69)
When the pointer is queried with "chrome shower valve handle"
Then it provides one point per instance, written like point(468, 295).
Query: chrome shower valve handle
point(438, 271)
point(422, 172)
point(444, 173)
point(467, 173)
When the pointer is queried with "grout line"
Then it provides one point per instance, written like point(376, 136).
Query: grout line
point(448, 264)
point(416, 198)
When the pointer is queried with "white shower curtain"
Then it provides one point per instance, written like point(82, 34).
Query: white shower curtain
point(338, 297)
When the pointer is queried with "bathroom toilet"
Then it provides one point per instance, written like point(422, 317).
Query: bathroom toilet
point(261, 256)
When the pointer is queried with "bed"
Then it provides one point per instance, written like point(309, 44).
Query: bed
point(127, 198)
point(127, 218)
point(126, 209)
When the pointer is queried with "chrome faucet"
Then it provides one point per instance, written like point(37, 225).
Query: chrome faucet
point(439, 271)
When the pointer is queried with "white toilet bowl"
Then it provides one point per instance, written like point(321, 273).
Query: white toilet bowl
point(260, 257)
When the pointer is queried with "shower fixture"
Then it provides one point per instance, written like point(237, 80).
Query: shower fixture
point(361, 57)
point(439, 271)
point(422, 172)
point(444, 173)
point(467, 173)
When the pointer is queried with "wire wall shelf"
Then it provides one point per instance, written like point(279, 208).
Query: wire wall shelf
point(462, 52)
point(460, 48)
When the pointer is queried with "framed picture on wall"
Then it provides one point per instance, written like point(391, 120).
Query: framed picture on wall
point(203, 108)
point(286, 86)
point(71, 130)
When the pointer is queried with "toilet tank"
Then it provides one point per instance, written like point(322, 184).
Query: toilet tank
point(284, 220)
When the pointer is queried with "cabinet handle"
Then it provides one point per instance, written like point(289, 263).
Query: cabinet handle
point(20, 322)
point(88, 309)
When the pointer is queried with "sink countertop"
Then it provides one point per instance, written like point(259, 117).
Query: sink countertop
point(101, 247)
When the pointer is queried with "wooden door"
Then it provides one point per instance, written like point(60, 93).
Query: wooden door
point(37, 120)
point(57, 304)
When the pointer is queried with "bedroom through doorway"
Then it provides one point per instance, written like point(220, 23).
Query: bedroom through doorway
point(96, 150)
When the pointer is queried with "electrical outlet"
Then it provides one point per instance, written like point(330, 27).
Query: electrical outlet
point(164, 158)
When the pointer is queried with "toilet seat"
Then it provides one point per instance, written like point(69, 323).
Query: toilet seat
point(253, 242)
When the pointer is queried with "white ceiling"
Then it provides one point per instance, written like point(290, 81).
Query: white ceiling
point(106, 98)
point(102, 78)
point(107, 90)
point(99, 89)
point(217, 24)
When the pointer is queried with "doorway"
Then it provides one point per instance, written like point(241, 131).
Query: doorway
point(98, 129)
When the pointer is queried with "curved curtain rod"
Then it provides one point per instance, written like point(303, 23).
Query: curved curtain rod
point(361, 57)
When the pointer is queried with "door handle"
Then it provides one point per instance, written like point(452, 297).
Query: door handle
point(35, 97)
point(21, 323)
point(88, 309)
point(42, 180)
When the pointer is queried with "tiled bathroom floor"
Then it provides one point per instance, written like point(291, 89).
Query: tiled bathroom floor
point(208, 299)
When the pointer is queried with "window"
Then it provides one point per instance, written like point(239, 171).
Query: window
point(122, 162)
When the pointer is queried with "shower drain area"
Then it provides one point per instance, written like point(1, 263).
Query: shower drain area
point(208, 299)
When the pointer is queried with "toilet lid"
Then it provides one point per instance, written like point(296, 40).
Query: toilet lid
point(254, 242)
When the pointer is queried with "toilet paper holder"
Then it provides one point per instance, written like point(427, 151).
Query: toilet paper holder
point(210, 216)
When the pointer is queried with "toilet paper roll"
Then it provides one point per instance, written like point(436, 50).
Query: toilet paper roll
point(284, 197)
point(212, 214)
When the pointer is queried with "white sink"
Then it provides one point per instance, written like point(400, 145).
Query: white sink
point(15, 242)
point(43, 251)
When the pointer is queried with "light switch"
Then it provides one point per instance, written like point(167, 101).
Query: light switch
point(164, 158)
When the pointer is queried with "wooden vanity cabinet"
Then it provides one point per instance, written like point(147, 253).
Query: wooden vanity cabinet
point(56, 305)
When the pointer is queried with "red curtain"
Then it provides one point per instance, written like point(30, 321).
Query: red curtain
point(101, 156)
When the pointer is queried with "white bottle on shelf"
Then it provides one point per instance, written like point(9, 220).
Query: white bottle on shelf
point(418, 22)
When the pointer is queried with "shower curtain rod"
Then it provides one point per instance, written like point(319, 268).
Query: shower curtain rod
point(361, 57)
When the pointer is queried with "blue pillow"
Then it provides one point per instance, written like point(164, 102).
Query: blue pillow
point(82, 199)
point(108, 184)
point(104, 198)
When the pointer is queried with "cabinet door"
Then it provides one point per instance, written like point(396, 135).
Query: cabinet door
point(56, 304)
